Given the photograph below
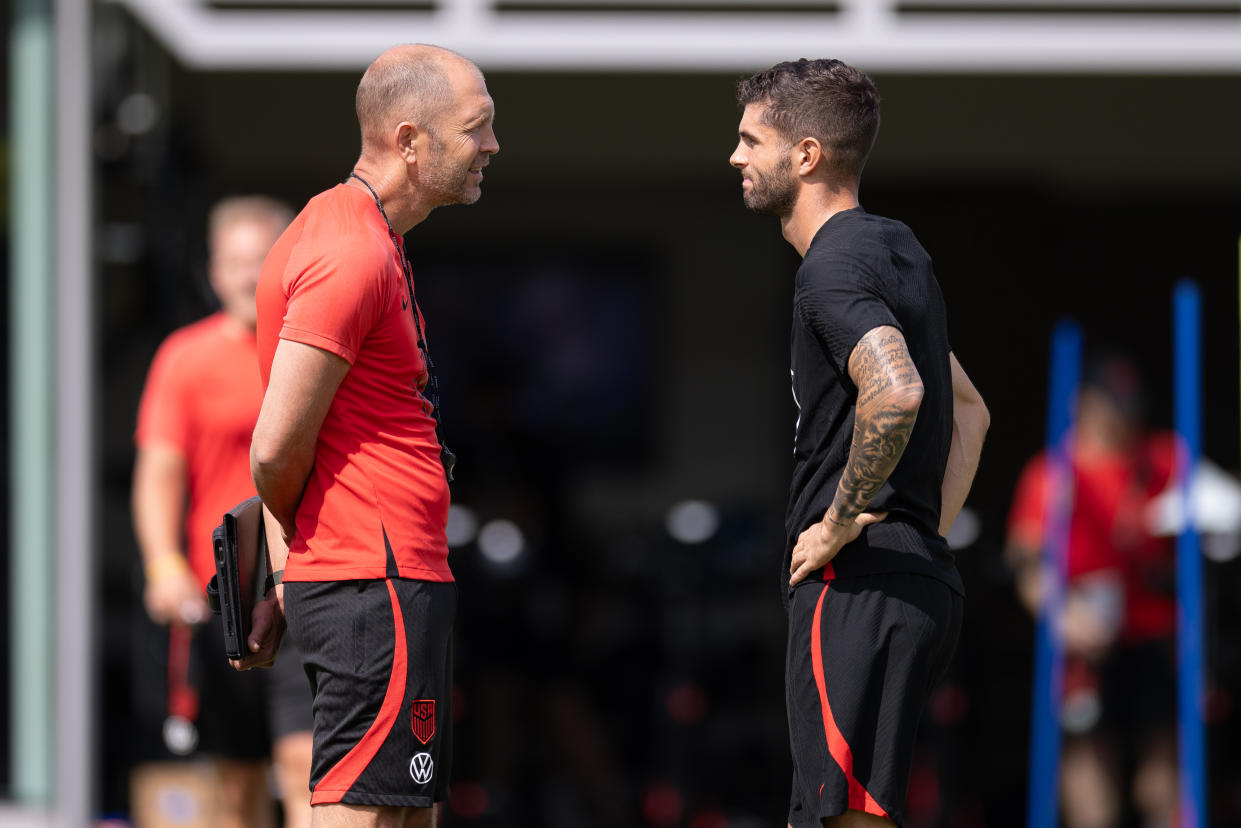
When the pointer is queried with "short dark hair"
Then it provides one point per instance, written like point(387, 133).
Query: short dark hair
point(402, 83)
point(824, 99)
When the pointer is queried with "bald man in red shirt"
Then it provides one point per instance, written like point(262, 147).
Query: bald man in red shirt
point(347, 456)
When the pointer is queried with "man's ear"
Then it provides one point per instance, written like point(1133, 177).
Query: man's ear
point(407, 141)
point(807, 156)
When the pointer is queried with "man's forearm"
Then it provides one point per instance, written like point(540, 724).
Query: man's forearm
point(280, 483)
point(970, 421)
point(889, 396)
point(158, 505)
point(277, 550)
point(963, 456)
point(881, 431)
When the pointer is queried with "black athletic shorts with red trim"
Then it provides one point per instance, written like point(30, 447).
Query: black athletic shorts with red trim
point(864, 653)
point(244, 713)
point(378, 654)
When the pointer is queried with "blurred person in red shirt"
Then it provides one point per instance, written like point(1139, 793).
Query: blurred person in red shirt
point(198, 410)
point(1119, 699)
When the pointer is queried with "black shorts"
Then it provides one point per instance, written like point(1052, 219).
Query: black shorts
point(243, 713)
point(236, 715)
point(379, 658)
point(863, 656)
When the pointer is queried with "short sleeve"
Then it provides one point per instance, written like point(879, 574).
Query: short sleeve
point(164, 411)
point(840, 300)
point(334, 303)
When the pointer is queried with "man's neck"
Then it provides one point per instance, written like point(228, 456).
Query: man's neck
point(815, 205)
point(391, 187)
point(238, 327)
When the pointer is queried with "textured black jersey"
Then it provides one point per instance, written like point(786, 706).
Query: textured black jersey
point(861, 272)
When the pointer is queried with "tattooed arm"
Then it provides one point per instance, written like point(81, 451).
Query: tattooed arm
point(889, 395)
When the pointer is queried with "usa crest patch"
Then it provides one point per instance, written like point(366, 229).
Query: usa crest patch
point(422, 715)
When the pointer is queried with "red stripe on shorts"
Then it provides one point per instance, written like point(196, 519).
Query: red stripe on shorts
point(859, 798)
point(337, 781)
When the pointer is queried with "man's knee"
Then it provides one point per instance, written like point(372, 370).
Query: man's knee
point(340, 815)
point(292, 756)
point(420, 817)
point(241, 783)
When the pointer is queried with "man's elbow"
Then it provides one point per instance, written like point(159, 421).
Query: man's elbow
point(982, 417)
point(264, 459)
point(909, 399)
point(970, 413)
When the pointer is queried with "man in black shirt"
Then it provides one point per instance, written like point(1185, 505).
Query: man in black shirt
point(888, 437)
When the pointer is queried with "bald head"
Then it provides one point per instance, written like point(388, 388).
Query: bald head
point(406, 83)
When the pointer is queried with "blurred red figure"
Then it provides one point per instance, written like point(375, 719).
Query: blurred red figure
point(1119, 701)
point(198, 408)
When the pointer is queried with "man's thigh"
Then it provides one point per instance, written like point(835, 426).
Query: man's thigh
point(233, 718)
point(379, 657)
point(863, 656)
point(289, 704)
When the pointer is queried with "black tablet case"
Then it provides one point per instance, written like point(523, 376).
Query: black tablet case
point(240, 546)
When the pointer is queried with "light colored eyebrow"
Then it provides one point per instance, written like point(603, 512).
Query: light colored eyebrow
point(481, 118)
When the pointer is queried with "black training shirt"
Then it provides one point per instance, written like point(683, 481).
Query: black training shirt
point(863, 271)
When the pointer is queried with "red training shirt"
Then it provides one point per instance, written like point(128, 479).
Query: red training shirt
point(376, 503)
point(1107, 530)
point(201, 399)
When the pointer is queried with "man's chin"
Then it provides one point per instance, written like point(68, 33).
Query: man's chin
point(780, 208)
point(760, 208)
point(460, 199)
point(468, 193)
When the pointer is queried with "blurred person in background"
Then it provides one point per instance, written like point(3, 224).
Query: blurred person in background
point(887, 442)
point(1119, 704)
point(347, 453)
point(197, 413)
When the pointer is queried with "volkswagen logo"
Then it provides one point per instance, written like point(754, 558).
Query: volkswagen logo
point(421, 768)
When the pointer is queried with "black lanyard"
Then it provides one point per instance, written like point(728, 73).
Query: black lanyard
point(432, 389)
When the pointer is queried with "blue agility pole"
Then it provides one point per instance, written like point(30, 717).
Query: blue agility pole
point(1187, 352)
point(1043, 793)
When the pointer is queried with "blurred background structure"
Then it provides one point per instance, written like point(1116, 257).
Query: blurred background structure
point(612, 332)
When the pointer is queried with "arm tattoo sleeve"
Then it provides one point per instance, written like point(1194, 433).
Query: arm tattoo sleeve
point(889, 394)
